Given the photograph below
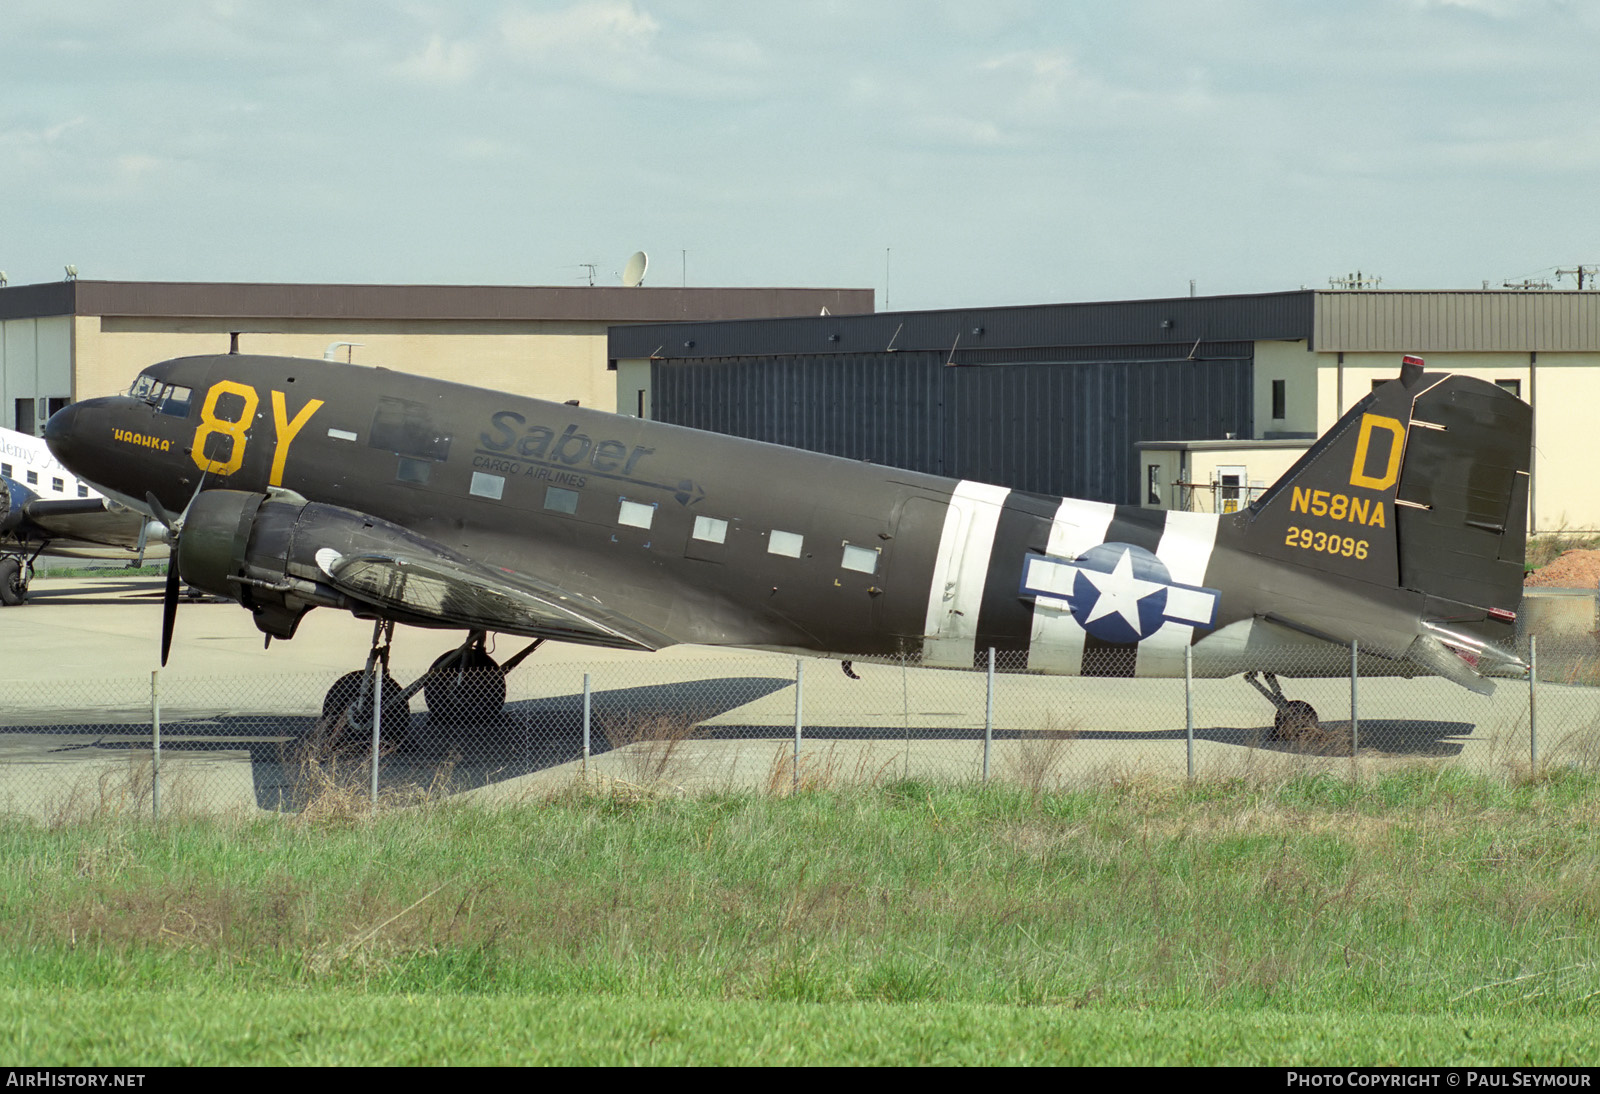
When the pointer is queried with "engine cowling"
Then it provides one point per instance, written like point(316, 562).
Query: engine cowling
point(261, 550)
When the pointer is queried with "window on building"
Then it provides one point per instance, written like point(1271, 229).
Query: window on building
point(25, 422)
point(1279, 399)
point(1513, 386)
point(58, 404)
point(1152, 484)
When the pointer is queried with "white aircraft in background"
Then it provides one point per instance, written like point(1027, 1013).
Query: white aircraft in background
point(46, 509)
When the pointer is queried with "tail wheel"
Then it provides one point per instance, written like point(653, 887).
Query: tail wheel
point(13, 587)
point(1295, 717)
point(465, 691)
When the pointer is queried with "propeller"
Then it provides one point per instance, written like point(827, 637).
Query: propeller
point(169, 597)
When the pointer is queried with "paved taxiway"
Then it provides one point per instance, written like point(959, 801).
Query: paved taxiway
point(75, 732)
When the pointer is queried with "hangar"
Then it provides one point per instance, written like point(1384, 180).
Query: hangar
point(1190, 402)
point(76, 339)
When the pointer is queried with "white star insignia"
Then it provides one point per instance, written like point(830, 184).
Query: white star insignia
point(1120, 592)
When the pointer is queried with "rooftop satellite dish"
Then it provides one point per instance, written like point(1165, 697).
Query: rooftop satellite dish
point(633, 272)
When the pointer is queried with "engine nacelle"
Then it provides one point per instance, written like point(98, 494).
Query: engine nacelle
point(261, 550)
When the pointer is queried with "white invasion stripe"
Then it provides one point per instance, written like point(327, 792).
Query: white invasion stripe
point(956, 593)
point(1056, 641)
point(341, 434)
point(1185, 550)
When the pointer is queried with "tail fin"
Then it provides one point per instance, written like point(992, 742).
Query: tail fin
point(1422, 486)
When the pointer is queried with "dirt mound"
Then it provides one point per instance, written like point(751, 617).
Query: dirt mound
point(1573, 570)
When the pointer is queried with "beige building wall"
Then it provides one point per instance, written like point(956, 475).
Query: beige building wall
point(1566, 442)
point(1296, 367)
point(553, 359)
point(633, 387)
point(1200, 465)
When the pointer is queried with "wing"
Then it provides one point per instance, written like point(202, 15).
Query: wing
point(468, 595)
point(68, 522)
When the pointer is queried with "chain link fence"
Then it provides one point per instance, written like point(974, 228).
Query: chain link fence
point(733, 720)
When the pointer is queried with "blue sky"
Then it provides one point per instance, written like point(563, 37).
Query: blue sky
point(996, 152)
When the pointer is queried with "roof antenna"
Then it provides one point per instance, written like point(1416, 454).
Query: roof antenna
point(233, 341)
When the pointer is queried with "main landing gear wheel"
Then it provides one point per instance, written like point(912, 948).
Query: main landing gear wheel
point(465, 686)
point(351, 696)
point(13, 581)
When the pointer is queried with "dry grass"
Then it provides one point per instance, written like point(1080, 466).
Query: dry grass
point(826, 768)
point(651, 744)
point(1545, 549)
point(1034, 761)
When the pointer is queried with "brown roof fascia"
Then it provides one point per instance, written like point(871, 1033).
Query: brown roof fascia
point(607, 304)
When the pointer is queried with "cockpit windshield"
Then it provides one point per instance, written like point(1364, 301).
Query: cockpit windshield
point(173, 399)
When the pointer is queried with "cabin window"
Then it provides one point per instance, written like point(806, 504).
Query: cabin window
point(58, 486)
point(5, 469)
point(407, 429)
point(176, 401)
point(711, 529)
point(143, 385)
point(488, 486)
point(558, 500)
point(33, 478)
point(83, 491)
point(414, 471)
point(863, 560)
point(636, 514)
point(787, 544)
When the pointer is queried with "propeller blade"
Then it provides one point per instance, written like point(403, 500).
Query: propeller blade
point(159, 510)
point(169, 607)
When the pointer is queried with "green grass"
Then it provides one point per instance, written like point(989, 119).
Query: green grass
point(1433, 916)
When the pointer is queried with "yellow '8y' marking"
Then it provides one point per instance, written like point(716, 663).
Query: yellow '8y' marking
point(287, 431)
point(235, 430)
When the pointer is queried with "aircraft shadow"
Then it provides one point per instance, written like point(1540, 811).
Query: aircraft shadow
point(292, 756)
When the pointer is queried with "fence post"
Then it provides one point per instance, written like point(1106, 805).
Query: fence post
point(1188, 704)
point(377, 729)
point(1355, 719)
point(988, 717)
point(155, 744)
point(799, 691)
point(586, 710)
point(1533, 725)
